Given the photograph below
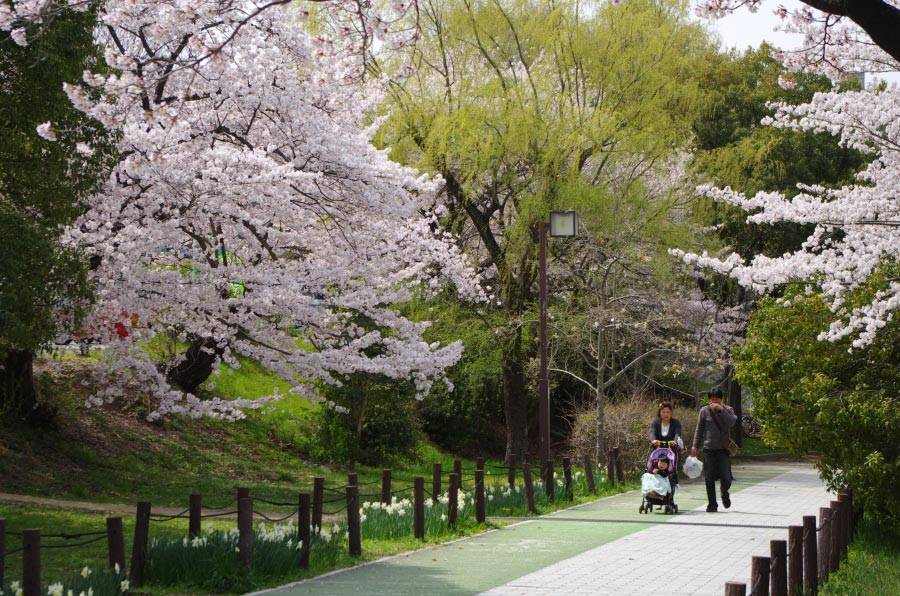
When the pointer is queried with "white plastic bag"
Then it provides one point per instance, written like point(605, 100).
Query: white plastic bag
point(692, 467)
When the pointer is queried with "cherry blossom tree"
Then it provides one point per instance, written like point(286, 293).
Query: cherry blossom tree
point(855, 227)
point(249, 214)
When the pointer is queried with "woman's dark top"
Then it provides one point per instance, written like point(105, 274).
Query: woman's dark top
point(656, 430)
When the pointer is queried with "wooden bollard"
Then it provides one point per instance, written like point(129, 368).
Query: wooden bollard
point(139, 546)
point(243, 492)
point(567, 474)
point(795, 560)
point(847, 495)
point(195, 509)
point(479, 496)
point(304, 518)
point(778, 585)
point(589, 474)
point(824, 544)
point(529, 488)
point(548, 479)
point(810, 556)
point(452, 494)
point(844, 508)
point(617, 458)
point(479, 463)
point(759, 576)
point(610, 468)
point(31, 563)
point(837, 538)
point(352, 479)
point(511, 472)
point(245, 531)
point(2, 550)
point(386, 485)
point(419, 507)
point(318, 502)
point(115, 540)
point(735, 589)
point(353, 524)
point(457, 469)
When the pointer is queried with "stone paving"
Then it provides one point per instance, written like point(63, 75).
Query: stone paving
point(603, 548)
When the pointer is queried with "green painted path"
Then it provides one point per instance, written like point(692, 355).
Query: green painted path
point(494, 559)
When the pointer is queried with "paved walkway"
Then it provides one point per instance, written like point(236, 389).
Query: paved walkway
point(602, 548)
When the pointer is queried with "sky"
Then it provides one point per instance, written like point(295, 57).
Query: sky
point(744, 28)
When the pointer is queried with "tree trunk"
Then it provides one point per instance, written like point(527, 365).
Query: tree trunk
point(196, 366)
point(17, 394)
point(600, 451)
point(515, 401)
point(734, 400)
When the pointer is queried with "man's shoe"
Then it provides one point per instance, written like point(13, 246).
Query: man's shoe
point(726, 500)
point(711, 508)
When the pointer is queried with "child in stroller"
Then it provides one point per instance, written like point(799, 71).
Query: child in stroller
point(658, 482)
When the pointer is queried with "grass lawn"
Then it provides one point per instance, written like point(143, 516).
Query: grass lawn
point(872, 565)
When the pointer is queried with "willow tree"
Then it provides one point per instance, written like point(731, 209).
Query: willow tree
point(513, 102)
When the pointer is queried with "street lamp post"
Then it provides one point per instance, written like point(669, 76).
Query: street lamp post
point(562, 224)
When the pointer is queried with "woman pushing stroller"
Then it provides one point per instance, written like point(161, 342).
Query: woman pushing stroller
point(665, 431)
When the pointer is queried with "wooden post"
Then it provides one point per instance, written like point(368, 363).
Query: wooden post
point(837, 538)
point(243, 492)
point(457, 469)
point(759, 576)
point(617, 457)
point(511, 472)
point(419, 507)
point(245, 530)
point(529, 488)
point(479, 463)
point(735, 589)
point(318, 501)
point(589, 474)
point(610, 468)
point(778, 579)
point(195, 508)
point(548, 479)
point(824, 544)
point(304, 516)
point(810, 556)
point(844, 508)
point(567, 474)
point(31, 563)
point(479, 496)
point(847, 495)
point(139, 546)
point(386, 485)
point(452, 494)
point(353, 479)
point(115, 541)
point(795, 560)
point(353, 529)
point(435, 482)
point(2, 550)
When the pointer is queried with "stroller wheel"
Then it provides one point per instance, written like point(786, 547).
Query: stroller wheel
point(674, 508)
point(641, 510)
point(668, 509)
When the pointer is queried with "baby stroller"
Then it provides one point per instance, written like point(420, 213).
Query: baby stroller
point(667, 501)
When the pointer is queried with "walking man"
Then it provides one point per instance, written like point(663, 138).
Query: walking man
point(714, 424)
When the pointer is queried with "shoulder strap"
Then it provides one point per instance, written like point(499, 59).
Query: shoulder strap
point(715, 418)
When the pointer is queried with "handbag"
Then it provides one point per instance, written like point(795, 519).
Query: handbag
point(728, 443)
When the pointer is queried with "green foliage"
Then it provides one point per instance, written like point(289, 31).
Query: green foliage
point(43, 287)
point(368, 419)
point(737, 151)
point(829, 397)
point(471, 413)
